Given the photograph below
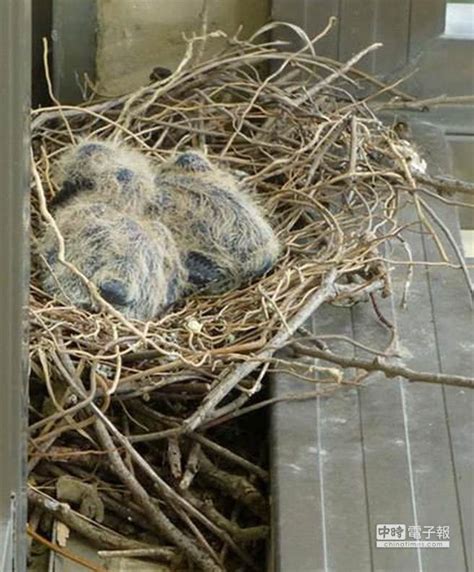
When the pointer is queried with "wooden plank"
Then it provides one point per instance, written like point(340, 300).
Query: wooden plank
point(434, 489)
point(74, 47)
point(427, 20)
point(348, 538)
point(427, 440)
point(357, 30)
point(312, 16)
point(446, 68)
point(316, 17)
point(297, 524)
point(456, 351)
point(15, 91)
point(392, 29)
point(324, 526)
point(292, 12)
point(463, 152)
point(386, 450)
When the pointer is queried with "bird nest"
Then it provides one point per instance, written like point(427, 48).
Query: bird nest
point(127, 417)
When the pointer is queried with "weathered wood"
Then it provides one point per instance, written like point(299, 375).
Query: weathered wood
point(428, 431)
point(15, 70)
point(383, 433)
point(427, 20)
point(397, 452)
point(297, 531)
point(453, 320)
point(391, 28)
point(312, 16)
point(74, 47)
point(341, 456)
point(357, 30)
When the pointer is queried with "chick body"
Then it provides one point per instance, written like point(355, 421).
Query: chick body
point(222, 233)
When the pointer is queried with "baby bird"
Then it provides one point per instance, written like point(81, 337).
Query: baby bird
point(133, 262)
point(107, 172)
point(147, 240)
point(223, 236)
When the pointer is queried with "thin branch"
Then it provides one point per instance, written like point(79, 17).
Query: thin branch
point(388, 369)
point(64, 552)
point(217, 394)
point(446, 184)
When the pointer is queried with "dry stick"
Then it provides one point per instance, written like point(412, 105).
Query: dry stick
point(248, 534)
point(174, 457)
point(216, 395)
point(389, 370)
point(446, 201)
point(150, 354)
point(353, 150)
point(336, 74)
point(51, 91)
point(272, 77)
point(97, 534)
point(421, 203)
point(64, 552)
point(192, 467)
point(446, 184)
point(303, 36)
point(158, 553)
point(430, 102)
point(169, 493)
point(162, 523)
point(452, 242)
point(235, 486)
point(229, 455)
point(172, 496)
point(68, 413)
point(204, 18)
point(387, 88)
point(273, 401)
point(200, 440)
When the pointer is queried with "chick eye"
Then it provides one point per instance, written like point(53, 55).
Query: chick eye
point(114, 292)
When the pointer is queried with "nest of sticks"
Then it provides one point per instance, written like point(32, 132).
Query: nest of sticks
point(133, 442)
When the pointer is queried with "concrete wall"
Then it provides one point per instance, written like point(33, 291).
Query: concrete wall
point(134, 36)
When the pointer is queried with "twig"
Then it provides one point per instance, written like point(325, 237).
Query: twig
point(97, 534)
point(459, 255)
point(226, 385)
point(446, 184)
point(165, 554)
point(238, 487)
point(424, 104)
point(64, 552)
point(389, 370)
point(332, 77)
point(162, 523)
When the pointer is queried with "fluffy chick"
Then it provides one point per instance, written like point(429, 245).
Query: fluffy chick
point(134, 263)
point(104, 171)
point(223, 235)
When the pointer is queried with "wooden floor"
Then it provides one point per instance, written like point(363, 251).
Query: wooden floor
point(390, 452)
